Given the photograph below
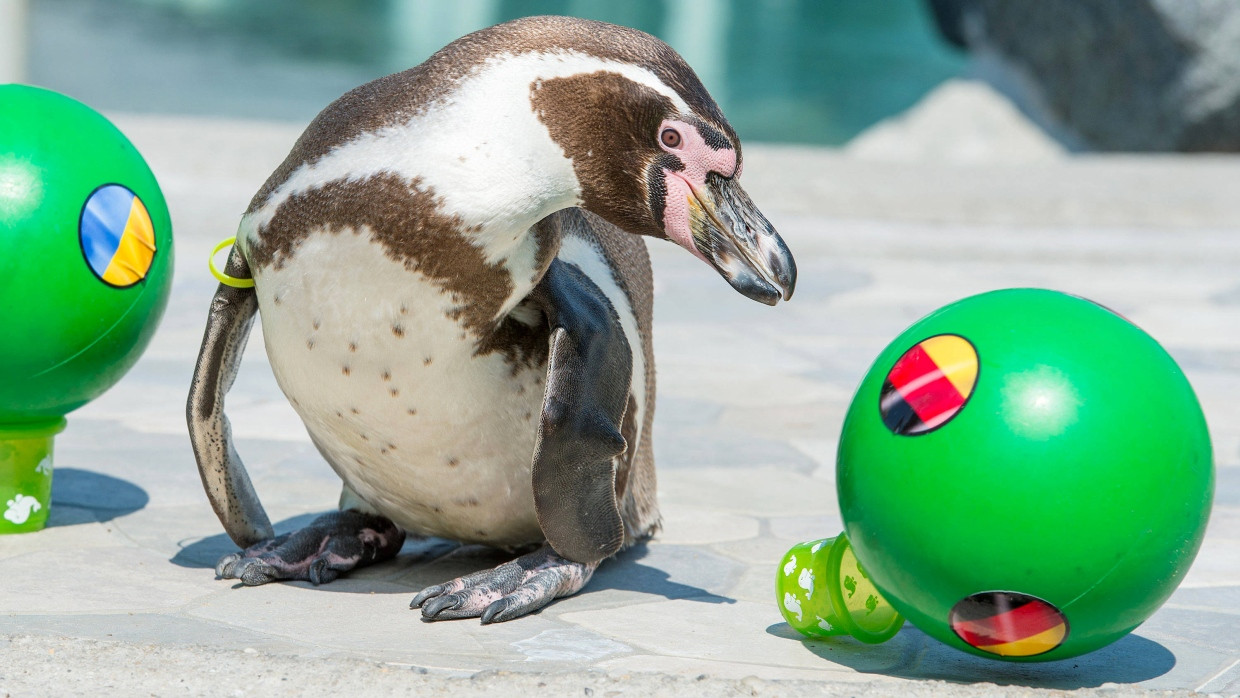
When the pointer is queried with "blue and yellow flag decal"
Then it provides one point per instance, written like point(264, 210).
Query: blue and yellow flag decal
point(118, 239)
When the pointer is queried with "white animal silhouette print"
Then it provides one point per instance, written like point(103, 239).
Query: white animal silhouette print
point(20, 508)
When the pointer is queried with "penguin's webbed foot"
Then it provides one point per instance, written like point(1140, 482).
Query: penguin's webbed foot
point(319, 553)
point(509, 591)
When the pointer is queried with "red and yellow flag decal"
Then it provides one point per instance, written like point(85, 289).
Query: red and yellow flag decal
point(1009, 624)
point(928, 385)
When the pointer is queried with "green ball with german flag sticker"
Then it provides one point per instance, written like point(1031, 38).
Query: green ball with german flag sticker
point(1025, 475)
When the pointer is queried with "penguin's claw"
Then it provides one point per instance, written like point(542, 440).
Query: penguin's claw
point(250, 571)
point(508, 591)
point(445, 607)
point(527, 598)
point(439, 590)
point(319, 553)
point(224, 568)
point(257, 574)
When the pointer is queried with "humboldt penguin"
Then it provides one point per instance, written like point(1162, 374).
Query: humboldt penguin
point(456, 300)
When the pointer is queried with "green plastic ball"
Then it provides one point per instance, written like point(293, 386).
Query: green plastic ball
point(1025, 475)
point(87, 263)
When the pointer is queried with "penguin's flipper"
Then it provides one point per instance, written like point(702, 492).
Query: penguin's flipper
point(574, 470)
point(588, 378)
point(223, 475)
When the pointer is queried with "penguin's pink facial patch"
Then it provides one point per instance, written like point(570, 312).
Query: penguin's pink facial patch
point(698, 155)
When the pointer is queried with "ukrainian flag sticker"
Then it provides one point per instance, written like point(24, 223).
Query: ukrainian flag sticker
point(117, 236)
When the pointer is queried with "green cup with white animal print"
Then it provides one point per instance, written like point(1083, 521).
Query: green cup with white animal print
point(823, 591)
point(26, 474)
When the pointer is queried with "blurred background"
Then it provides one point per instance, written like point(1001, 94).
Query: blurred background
point(989, 77)
point(784, 70)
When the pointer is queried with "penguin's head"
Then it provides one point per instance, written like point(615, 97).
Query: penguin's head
point(693, 197)
point(654, 155)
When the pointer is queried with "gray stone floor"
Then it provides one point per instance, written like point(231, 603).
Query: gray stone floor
point(750, 404)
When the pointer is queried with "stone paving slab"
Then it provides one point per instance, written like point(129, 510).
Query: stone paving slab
point(118, 594)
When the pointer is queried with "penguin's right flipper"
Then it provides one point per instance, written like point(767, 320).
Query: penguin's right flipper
point(588, 379)
point(223, 475)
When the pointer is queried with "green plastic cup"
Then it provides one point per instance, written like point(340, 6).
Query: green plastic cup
point(823, 591)
point(26, 474)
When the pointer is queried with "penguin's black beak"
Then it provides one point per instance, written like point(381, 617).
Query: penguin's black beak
point(734, 236)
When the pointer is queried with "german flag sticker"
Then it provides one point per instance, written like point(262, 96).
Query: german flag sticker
point(1009, 624)
point(928, 385)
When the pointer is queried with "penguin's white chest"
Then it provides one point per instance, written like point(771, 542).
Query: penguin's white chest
point(431, 435)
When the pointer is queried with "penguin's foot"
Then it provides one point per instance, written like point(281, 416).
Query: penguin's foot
point(509, 591)
point(331, 544)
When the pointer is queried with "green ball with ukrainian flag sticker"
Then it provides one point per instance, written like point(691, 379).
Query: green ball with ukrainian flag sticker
point(1025, 475)
point(87, 263)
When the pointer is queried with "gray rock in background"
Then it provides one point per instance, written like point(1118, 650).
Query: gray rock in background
point(1131, 75)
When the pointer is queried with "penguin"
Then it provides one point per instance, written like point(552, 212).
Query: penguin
point(456, 299)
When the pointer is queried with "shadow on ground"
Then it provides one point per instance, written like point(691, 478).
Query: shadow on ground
point(205, 552)
point(426, 561)
point(626, 573)
point(914, 655)
point(106, 497)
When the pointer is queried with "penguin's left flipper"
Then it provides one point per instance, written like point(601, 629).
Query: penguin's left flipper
point(574, 470)
point(589, 371)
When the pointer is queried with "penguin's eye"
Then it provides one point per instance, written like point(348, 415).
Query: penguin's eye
point(670, 138)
